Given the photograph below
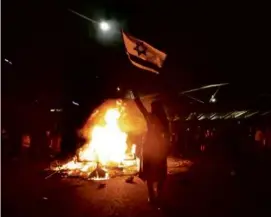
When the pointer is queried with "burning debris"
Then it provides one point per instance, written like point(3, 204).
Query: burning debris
point(130, 179)
point(98, 172)
point(106, 152)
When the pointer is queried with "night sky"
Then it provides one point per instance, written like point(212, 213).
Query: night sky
point(57, 54)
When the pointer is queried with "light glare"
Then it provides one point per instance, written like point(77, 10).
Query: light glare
point(75, 103)
point(104, 26)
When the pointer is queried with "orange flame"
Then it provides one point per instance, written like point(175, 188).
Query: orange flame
point(106, 134)
point(108, 142)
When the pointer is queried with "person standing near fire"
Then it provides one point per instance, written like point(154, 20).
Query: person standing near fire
point(155, 148)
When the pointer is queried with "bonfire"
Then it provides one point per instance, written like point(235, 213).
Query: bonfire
point(107, 151)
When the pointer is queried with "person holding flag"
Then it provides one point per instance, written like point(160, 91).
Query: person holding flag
point(153, 167)
point(155, 149)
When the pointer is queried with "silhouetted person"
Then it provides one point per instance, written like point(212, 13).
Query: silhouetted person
point(155, 148)
point(69, 135)
point(39, 142)
point(259, 138)
point(206, 140)
point(234, 143)
point(16, 133)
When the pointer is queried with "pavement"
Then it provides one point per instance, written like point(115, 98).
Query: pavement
point(208, 188)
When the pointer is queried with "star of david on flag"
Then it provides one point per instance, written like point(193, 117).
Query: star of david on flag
point(143, 55)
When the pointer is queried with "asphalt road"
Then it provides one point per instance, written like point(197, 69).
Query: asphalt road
point(207, 189)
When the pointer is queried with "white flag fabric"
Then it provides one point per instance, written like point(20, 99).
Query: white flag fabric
point(144, 51)
point(142, 66)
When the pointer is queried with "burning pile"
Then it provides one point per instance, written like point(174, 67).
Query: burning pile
point(106, 151)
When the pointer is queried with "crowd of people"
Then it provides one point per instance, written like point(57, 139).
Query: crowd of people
point(241, 144)
point(186, 138)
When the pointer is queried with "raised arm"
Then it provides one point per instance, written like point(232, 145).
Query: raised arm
point(140, 106)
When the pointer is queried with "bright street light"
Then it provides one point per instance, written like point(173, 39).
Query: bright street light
point(104, 26)
point(213, 99)
point(107, 31)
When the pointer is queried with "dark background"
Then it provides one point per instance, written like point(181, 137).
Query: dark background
point(57, 56)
